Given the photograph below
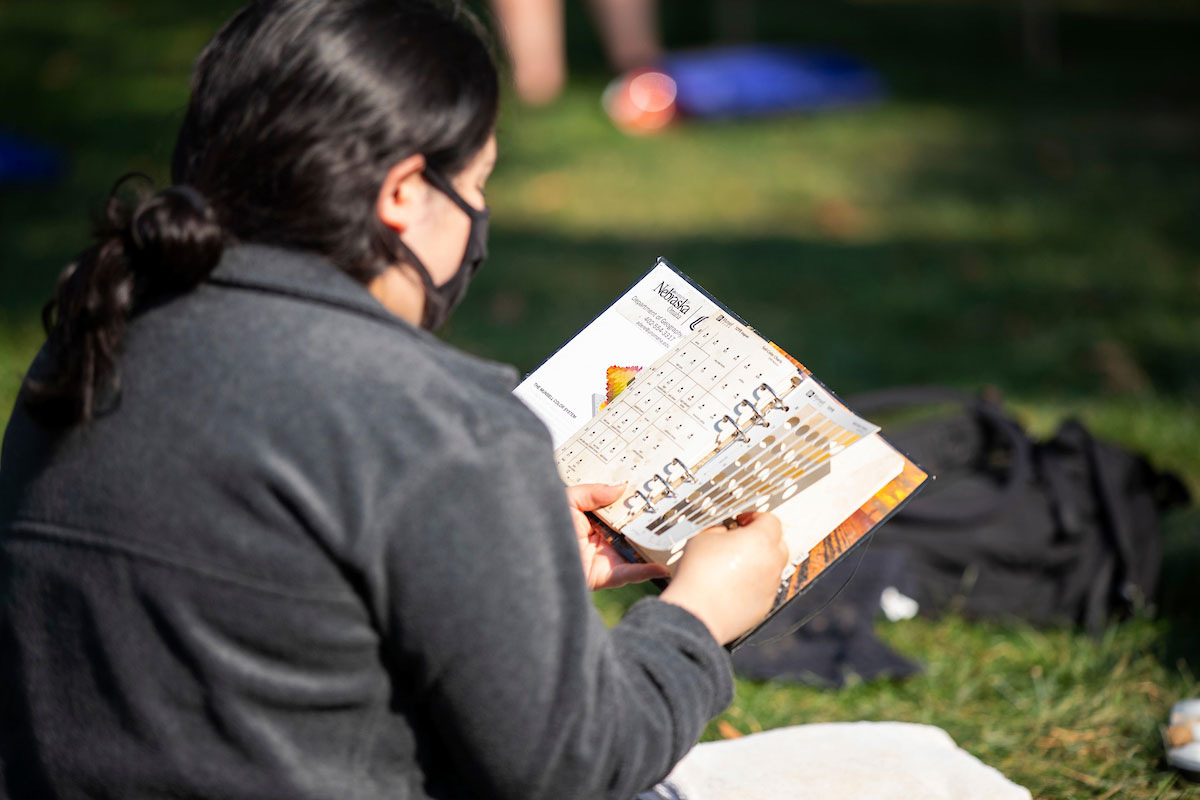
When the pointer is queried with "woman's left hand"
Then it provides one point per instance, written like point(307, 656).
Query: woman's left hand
point(603, 567)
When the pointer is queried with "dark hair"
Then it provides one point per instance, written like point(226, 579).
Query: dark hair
point(298, 109)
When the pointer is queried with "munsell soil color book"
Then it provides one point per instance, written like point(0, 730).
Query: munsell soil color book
point(703, 419)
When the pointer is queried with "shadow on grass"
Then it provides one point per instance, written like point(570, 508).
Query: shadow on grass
point(1179, 600)
point(864, 315)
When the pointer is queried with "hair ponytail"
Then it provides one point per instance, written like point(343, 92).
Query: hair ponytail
point(297, 112)
point(157, 244)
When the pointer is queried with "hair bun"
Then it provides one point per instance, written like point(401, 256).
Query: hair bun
point(175, 239)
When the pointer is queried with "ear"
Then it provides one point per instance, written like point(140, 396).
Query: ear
point(397, 205)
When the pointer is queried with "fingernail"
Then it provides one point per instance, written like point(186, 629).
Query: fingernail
point(617, 485)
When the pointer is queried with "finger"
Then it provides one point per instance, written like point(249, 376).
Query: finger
point(713, 531)
point(746, 517)
point(635, 573)
point(590, 496)
point(583, 525)
point(765, 521)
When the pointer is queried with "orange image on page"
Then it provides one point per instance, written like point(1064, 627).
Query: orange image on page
point(617, 379)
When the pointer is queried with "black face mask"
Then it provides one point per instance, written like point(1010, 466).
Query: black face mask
point(441, 300)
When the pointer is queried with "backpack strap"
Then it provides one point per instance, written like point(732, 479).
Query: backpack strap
point(1109, 496)
point(1020, 471)
point(1068, 516)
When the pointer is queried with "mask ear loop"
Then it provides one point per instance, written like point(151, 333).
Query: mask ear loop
point(431, 307)
point(443, 185)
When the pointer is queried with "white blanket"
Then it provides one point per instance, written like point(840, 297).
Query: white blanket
point(841, 760)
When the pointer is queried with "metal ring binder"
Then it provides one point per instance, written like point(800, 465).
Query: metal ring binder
point(742, 435)
point(758, 417)
point(778, 401)
point(736, 427)
point(683, 467)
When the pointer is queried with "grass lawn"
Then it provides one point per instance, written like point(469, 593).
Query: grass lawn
point(989, 225)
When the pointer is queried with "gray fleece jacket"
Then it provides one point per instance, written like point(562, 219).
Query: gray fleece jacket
point(313, 552)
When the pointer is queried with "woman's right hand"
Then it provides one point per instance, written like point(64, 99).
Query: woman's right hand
point(729, 578)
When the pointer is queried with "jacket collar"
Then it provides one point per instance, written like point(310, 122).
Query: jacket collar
point(308, 277)
point(302, 275)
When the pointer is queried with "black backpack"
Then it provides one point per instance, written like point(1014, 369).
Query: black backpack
point(1066, 530)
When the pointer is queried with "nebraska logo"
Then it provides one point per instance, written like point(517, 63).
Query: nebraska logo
point(668, 293)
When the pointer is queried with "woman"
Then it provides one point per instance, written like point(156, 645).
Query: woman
point(261, 534)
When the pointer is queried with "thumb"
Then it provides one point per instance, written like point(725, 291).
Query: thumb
point(590, 496)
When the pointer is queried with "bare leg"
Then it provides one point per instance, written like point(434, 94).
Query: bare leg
point(533, 31)
point(629, 30)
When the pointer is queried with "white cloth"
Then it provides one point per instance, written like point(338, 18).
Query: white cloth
point(847, 760)
point(1186, 756)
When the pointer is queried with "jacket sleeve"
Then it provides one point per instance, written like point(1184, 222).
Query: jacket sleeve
point(487, 616)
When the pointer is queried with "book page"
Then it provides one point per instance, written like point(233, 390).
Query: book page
point(848, 534)
point(589, 371)
point(682, 407)
point(696, 422)
point(855, 475)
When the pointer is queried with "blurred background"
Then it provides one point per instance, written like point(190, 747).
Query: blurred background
point(1022, 211)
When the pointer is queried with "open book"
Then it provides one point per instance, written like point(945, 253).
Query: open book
point(703, 419)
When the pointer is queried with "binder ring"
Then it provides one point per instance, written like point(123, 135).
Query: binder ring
point(736, 427)
point(778, 402)
point(683, 467)
point(668, 491)
point(757, 414)
point(646, 500)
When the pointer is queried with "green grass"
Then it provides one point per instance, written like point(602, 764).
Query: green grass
point(990, 225)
